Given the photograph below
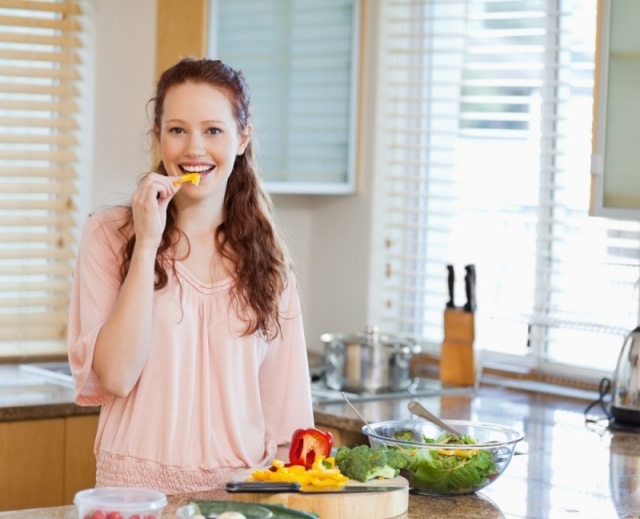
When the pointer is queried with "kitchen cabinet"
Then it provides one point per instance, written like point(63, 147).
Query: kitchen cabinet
point(32, 460)
point(181, 31)
point(46, 461)
point(79, 460)
point(616, 128)
point(301, 62)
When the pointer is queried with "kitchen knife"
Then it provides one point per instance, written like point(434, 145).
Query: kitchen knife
point(470, 288)
point(450, 283)
point(276, 487)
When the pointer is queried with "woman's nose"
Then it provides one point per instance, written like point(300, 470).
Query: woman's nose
point(195, 146)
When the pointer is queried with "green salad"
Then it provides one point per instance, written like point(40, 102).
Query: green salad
point(449, 470)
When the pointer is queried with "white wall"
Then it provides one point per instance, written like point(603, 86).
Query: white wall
point(329, 237)
point(124, 77)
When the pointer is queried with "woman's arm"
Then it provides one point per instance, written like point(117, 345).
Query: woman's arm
point(122, 345)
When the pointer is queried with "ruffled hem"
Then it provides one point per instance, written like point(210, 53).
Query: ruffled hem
point(126, 471)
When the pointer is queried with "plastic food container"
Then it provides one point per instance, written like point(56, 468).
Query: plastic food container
point(120, 503)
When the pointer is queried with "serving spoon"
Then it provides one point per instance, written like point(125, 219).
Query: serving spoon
point(353, 407)
point(418, 409)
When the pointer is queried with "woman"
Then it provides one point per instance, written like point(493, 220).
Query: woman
point(185, 321)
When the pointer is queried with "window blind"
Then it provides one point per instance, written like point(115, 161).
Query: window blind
point(40, 44)
point(485, 160)
point(299, 58)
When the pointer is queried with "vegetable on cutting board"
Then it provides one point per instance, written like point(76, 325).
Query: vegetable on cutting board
point(364, 463)
point(310, 463)
point(307, 444)
point(323, 473)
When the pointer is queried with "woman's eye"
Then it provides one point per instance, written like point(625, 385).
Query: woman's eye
point(176, 130)
point(214, 131)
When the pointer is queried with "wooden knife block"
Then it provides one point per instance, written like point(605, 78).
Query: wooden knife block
point(457, 358)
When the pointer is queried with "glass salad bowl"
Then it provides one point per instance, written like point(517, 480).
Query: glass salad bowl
point(437, 464)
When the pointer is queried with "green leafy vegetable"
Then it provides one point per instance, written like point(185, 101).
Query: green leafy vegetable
point(404, 435)
point(451, 470)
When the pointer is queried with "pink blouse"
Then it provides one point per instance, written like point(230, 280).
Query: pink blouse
point(209, 401)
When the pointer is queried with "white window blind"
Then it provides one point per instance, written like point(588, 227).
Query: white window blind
point(300, 60)
point(486, 132)
point(40, 43)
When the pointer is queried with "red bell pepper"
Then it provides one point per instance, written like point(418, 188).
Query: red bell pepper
point(306, 444)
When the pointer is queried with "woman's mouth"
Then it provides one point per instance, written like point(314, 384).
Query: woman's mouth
point(203, 169)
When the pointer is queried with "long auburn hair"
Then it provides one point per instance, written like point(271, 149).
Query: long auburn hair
point(247, 235)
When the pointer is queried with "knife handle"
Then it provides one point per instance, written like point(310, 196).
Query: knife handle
point(470, 288)
point(450, 284)
point(266, 487)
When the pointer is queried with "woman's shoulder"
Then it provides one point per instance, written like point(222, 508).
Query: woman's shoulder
point(112, 218)
point(108, 222)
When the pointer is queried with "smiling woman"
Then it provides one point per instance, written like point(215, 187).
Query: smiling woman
point(186, 296)
point(41, 76)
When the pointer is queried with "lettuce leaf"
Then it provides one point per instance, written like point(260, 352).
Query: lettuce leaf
point(448, 473)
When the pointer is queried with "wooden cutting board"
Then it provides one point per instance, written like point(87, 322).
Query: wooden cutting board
point(369, 505)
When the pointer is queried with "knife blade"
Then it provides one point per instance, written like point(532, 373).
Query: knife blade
point(276, 487)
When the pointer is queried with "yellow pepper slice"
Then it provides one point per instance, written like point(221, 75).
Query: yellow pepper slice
point(194, 178)
point(456, 452)
point(318, 476)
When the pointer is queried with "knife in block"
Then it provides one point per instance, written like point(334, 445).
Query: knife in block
point(457, 356)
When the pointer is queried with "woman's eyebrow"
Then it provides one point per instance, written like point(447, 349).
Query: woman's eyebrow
point(182, 121)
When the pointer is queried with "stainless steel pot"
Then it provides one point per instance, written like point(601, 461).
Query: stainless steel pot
point(367, 361)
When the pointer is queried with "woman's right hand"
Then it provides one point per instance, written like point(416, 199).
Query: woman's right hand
point(149, 205)
point(122, 346)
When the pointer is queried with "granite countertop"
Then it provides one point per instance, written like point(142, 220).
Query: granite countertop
point(27, 396)
point(572, 468)
point(569, 468)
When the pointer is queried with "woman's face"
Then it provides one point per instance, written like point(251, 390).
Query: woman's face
point(199, 133)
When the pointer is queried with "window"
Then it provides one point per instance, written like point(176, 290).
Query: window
point(40, 93)
point(486, 124)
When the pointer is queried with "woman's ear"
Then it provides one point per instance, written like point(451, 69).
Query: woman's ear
point(244, 139)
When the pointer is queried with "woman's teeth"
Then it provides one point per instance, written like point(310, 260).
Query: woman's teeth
point(195, 169)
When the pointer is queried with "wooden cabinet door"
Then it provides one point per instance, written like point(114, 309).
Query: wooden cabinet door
point(32, 463)
point(79, 459)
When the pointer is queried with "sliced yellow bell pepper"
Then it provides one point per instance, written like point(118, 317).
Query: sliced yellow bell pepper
point(322, 474)
point(455, 452)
